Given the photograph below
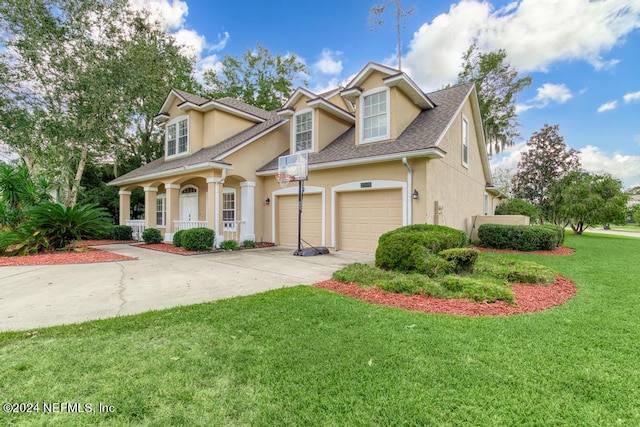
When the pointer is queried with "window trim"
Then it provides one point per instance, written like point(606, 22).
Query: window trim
point(162, 197)
point(295, 134)
point(176, 122)
point(229, 190)
point(361, 119)
point(465, 142)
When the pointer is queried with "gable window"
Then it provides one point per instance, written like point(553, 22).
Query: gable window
point(375, 116)
point(228, 209)
point(161, 210)
point(177, 136)
point(303, 137)
point(465, 143)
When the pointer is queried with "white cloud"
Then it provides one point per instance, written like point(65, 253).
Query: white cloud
point(534, 33)
point(546, 94)
point(633, 96)
point(169, 13)
point(329, 62)
point(326, 87)
point(608, 106)
point(509, 158)
point(223, 39)
point(624, 167)
point(191, 43)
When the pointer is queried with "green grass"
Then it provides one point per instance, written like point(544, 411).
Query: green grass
point(305, 356)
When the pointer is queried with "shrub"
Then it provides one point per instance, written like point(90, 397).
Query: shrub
point(121, 232)
point(400, 284)
point(463, 258)
point(249, 244)
point(198, 239)
point(151, 236)
point(519, 207)
point(437, 266)
point(407, 248)
point(559, 233)
point(518, 237)
point(514, 271)
point(362, 274)
point(229, 245)
point(477, 289)
point(177, 238)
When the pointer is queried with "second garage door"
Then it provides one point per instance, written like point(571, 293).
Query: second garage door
point(311, 219)
point(362, 216)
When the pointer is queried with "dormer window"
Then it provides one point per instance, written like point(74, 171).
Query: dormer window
point(303, 131)
point(177, 137)
point(374, 119)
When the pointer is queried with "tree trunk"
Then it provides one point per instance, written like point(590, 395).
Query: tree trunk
point(73, 195)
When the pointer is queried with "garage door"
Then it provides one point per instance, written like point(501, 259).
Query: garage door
point(311, 219)
point(362, 216)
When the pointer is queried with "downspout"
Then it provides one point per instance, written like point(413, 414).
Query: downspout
point(216, 204)
point(408, 192)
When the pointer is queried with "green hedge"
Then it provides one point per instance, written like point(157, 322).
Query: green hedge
point(198, 239)
point(413, 248)
point(151, 236)
point(463, 258)
point(177, 238)
point(520, 237)
point(121, 232)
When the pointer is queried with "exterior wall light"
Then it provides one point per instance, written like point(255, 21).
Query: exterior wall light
point(415, 194)
point(267, 201)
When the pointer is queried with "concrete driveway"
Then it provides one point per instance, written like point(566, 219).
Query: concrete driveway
point(38, 296)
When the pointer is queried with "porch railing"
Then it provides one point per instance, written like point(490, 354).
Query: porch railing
point(186, 225)
point(137, 228)
point(231, 230)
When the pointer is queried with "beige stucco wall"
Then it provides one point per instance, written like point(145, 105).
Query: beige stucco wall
point(327, 129)
point(340, 102)
point(459, 189)
point(220, 125)
point(403, 112)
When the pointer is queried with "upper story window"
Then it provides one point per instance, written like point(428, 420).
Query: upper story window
point(177, 136)
point(465, 142)
point(375, 116)
point(303, 132)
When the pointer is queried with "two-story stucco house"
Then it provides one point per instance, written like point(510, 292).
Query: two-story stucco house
point(382, 154)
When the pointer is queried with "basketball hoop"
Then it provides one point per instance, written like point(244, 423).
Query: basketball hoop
point(284, 179)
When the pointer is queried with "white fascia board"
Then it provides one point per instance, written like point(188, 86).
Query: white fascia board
point(172, 172)
point(325, 105)
point(408, 86)
point(286, 112)
point(432, 153)
point(366, 72)
point(161, 118)
point(296, 95)
point(214, 105)
point(352, 93)
point(250, 140)
point(169, 99)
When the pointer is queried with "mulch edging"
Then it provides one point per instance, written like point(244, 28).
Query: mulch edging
point(169, 248)
point(60, 258)
point(528, 299)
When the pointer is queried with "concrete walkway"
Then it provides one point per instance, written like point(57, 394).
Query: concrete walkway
point(39, 296)
point(612, 232)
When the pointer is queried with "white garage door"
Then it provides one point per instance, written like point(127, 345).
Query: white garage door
point(362, 216)
point(311, 220)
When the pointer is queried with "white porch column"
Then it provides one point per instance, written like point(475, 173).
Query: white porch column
point(247, 215)
point(213, 207)
point(125, 206)
point(150, 196)
point(173, 205)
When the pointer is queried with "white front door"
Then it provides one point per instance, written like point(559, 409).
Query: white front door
point(189, 205)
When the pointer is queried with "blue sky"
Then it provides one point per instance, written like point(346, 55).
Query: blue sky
point(583, 55)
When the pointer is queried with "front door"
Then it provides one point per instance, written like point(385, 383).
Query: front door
point(189, 204)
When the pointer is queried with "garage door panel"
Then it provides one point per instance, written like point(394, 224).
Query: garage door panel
point(311, 219)
point(363, 216)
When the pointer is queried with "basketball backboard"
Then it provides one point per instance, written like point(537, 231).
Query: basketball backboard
point(294, 165)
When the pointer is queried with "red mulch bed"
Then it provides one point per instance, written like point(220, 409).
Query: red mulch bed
point(528, 299)
point(168, 247)
point(71, 257)
point(86, 243)
point(560, 250)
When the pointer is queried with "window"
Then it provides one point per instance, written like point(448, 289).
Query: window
point(161, 210)
point(228, 208)
point(178, 137)
point(465, 143)
point(375, 117)
point(304, 131)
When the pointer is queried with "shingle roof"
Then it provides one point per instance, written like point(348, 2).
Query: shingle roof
point(189, 97)
point(423, 133)
point(207, 154)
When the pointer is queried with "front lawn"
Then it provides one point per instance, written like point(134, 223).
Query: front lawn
point(305, 356)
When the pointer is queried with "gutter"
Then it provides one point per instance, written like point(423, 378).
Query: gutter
point(409, 193)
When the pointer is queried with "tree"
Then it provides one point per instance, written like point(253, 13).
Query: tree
point(635, 213)
point(545, 161)
point(582, 200)
point(258, 78)
point(18, 192)
point(375, 20)
point(519, 207)
point(81, 81)
point(502, 180)
point(497, 84)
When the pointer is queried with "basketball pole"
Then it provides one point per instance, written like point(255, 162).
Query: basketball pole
point(299, 251)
